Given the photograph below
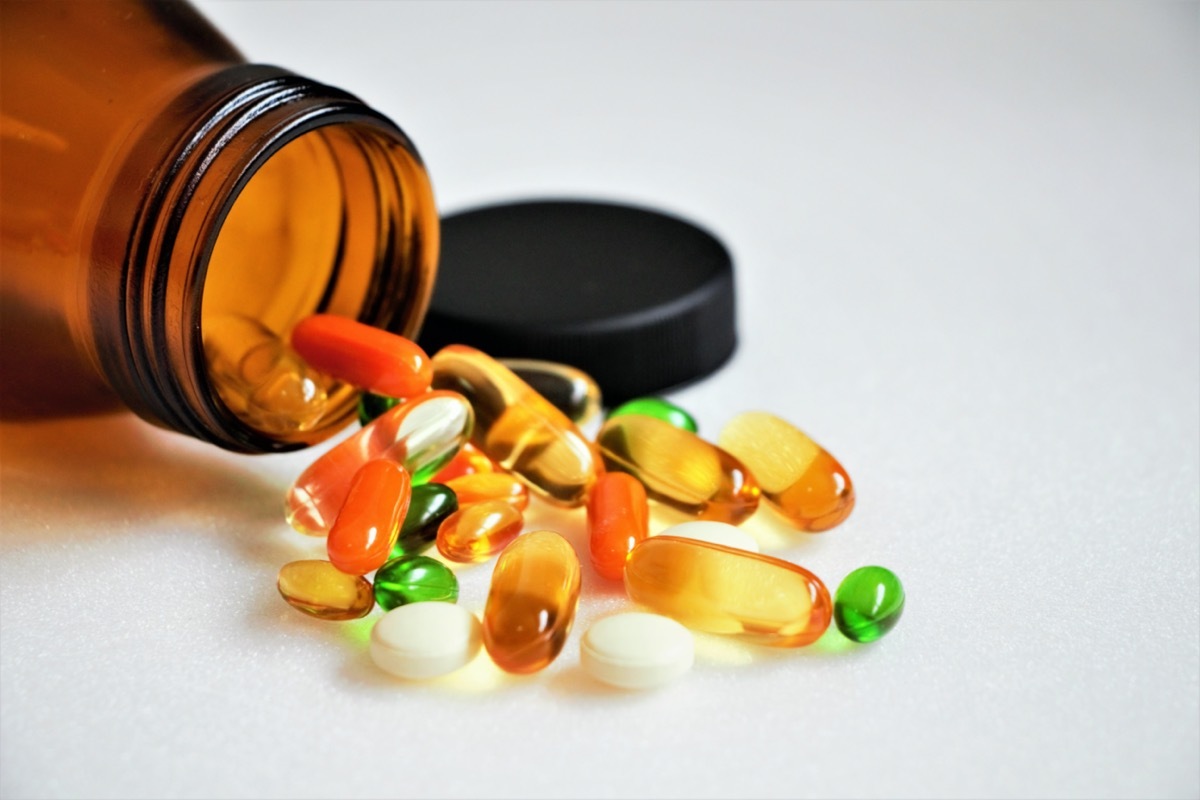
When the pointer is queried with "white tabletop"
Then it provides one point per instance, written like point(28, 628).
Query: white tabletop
point(967, 240)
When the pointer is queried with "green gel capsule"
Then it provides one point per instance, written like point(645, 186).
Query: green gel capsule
point(569, 389)
point(371, 405)
point(659, 409)
point(414, 579)
point(430, 504)
point(868, 603)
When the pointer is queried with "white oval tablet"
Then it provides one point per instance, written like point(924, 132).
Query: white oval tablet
point(635, 650)
point(425, 640)
point(722, 533)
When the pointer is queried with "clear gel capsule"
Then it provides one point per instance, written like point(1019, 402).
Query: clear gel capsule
point(679, 468)
point(490, 486)
point(659, 409)
point(518, 428)
point(478, 531)
point(321, 590)
point(618, 518)
point(799, 479)
point(421, 434)
point(571, 390)
point(368, 522)
point(531, 602)
point(716, 589)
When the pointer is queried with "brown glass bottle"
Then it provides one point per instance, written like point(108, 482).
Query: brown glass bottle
point(151, 179)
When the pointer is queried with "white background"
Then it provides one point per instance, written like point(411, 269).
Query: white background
point(968, 256)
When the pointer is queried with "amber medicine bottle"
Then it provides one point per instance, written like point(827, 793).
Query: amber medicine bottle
point(150, 179)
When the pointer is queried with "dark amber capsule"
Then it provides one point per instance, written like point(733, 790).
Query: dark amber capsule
point(571, 390)
point(531, 603)
point(618, 518)
point(429, 506)
point(366, 527)
point(679, 468)
point(490, 486)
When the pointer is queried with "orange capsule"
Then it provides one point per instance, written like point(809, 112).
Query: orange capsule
point(490, 486)
point(370, 358)
point(469, 460)
point(369, 521)
point(479, 531)
point(531, 602)
point(618, 518)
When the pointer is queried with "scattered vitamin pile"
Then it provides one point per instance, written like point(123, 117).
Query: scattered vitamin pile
point(450, 452)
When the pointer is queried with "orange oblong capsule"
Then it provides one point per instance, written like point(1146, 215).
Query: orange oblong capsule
point(679, 468)
point(368, 523)
point(490, 486)
point(717, 589)
point(531, 603)
point(370, 358)
point(618, 518)
point(479, 531)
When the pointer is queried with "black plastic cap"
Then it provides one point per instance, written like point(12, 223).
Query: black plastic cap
point(641, 300)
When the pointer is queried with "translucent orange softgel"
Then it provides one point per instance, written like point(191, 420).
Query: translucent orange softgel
point(366, 527)
point(618, 518)
point(490, 486)
point(372, 359)
point(717, 589)
point(518, 428)
point(531, 603)
point(798, 477)
point(421, 434)
point(479, 531)
point(469, 460)
point(679, 468)
point(321, 590)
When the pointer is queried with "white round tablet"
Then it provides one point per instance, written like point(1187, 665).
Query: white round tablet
point(425, 640)
point(703, 530)
point(635, 650)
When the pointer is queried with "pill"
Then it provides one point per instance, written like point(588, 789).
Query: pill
point(371, 405)
point(679, 468)
point(422, 434)
point(868, 603)
point(618, 518)
point(635, 650)
point(414, 579)
point(717, 589)
point(722, 533)
point(531, 602)
point(429, 505)
point(659, 409)
point(370, 358)
point(424, 640)
point(321, 590)
point(469, 460)
point(799, 479)
point(479, 531)
point(490, 486)
point(368, 522)
point(518, 428)
point(571, 390)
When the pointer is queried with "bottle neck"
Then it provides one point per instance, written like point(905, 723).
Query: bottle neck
point(153, 250)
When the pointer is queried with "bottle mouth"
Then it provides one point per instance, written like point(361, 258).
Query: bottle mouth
point(290, 198)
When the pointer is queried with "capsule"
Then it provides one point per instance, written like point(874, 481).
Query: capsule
point(490, 486)
point(679, 468)
point(618, 518)
point(431, 503)
point(478, 531)
point(414, 579)
point(868, 603)
point(571, 390)
point(518, 428)
point(717, 589)
point(321, 590)
point(367, 524)
point(799, 479)
point(371, 406)
point(370, 358)
point(469, 460)
point(659, 409)
point(421, 434)
point(531, 602)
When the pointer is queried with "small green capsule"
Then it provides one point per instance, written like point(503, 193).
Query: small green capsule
point(659, 409)
point(371, 405)
point(868, 603)
point(430, 504)
point(414, 579)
